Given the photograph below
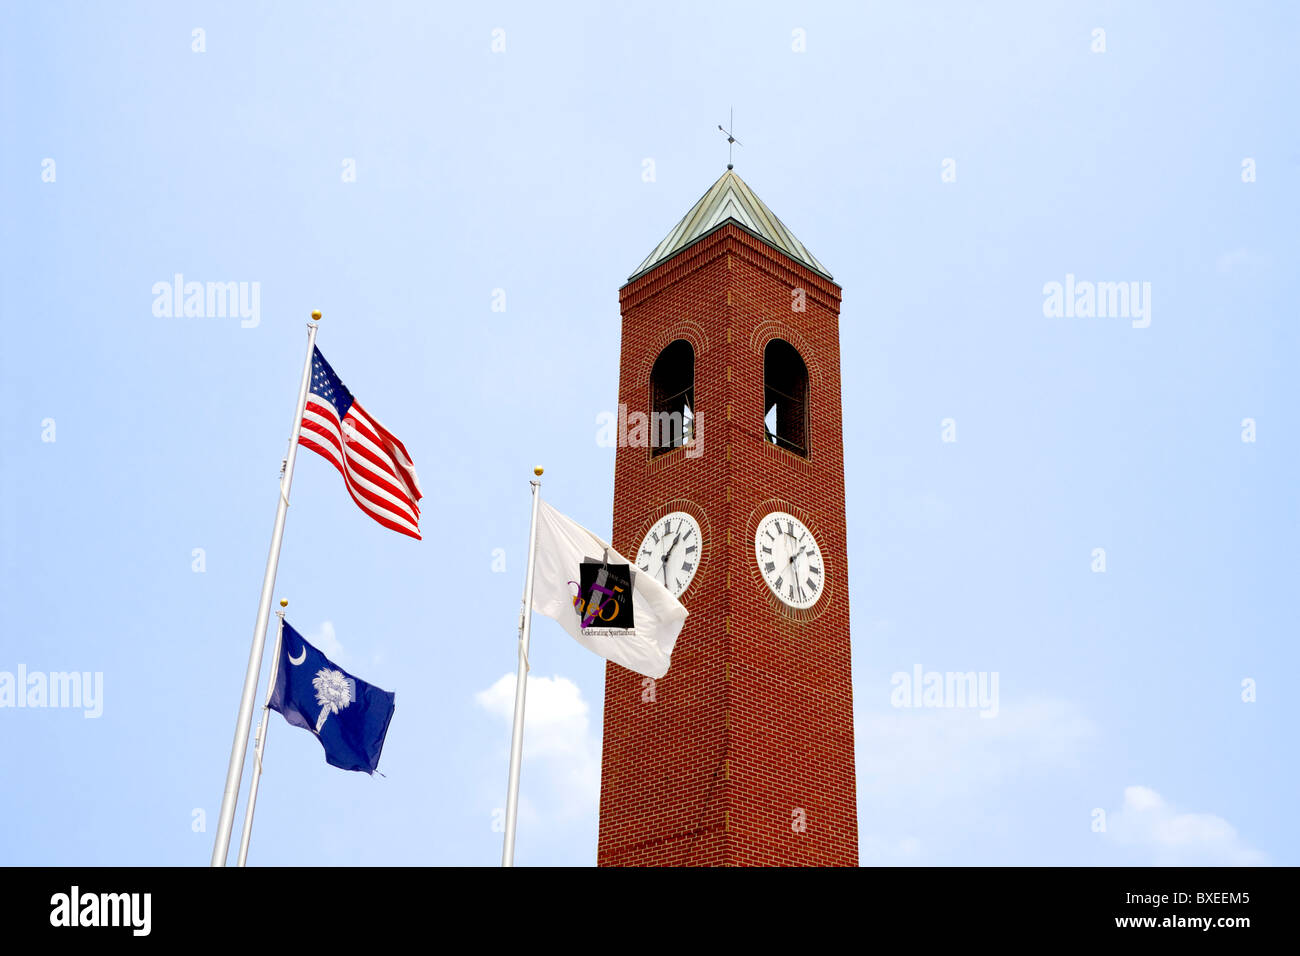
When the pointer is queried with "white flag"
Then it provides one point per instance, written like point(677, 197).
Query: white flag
point(605, 602)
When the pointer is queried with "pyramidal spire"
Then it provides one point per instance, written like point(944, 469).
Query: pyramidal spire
point(730, 200)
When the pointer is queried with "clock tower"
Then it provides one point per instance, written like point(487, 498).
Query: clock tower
point(729, 488)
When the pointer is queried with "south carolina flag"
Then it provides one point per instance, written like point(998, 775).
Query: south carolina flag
point(605, 602)
point(348, 716)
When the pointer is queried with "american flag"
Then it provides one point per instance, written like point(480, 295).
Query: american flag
point(375, 466)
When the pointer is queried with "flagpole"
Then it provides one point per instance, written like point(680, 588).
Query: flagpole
point(259, 746)
point(521, 686)
point(239, 749)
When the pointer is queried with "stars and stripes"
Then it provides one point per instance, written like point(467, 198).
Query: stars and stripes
point(375, 466)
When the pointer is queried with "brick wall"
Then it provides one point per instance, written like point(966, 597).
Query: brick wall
point(754, 720)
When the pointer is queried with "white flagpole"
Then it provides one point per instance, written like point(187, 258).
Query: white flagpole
point(259, 747)
point(521, 686)
point(239, 749)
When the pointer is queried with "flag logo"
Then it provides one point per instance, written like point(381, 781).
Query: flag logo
point(596, 598)
point(604, 600)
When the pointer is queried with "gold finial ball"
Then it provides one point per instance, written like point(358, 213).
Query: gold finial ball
point(315, 314)
point(284, 602)
point(538, 471)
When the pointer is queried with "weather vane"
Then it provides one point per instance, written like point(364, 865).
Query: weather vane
point(731, 139)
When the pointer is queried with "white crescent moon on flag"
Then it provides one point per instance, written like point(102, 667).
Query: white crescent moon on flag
point(301, 657)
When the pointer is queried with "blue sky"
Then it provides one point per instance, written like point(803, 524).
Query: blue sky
point(522, 170)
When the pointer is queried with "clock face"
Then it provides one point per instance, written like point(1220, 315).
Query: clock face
point(671, 551)
point(789, 559)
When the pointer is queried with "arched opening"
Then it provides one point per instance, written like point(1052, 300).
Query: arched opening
point(672, 398)
point(785, 397)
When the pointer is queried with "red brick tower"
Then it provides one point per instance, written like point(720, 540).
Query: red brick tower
point(743, 753)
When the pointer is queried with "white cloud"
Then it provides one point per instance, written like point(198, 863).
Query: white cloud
point(1142, 798)
point(325, 641)
point(1175, 837)
point(927, 757)
point(937, 786)
point(560, 746)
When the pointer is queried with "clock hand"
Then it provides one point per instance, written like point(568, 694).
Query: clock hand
point(793, 562)
point(794, 566)
point(667, 555)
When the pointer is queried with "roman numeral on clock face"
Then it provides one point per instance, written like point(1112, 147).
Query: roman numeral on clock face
point(663, 549)
point(786, 548)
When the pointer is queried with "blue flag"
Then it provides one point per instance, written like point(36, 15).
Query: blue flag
point(348, 716)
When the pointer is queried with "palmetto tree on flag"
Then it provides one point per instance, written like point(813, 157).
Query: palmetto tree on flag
point(333, 693)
